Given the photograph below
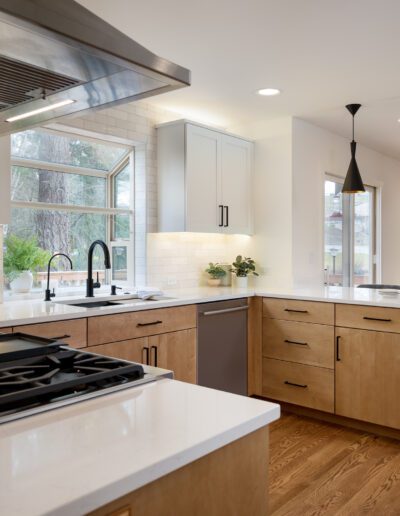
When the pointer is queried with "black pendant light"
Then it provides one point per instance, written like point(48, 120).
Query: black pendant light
point(353, 182)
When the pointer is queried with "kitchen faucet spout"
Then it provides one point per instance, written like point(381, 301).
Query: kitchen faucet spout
point(107, 264)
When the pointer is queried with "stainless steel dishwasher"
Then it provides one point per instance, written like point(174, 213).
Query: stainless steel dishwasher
point(222, 345)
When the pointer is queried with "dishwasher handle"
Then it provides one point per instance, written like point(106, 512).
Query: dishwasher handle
point(226, 310)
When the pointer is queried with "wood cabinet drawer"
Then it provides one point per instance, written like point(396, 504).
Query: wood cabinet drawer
point(6, 330)
point(73, 332)
point(299, 384)
point(112, 328)
point(311, 344)
point(302, 311)
point(368, 317)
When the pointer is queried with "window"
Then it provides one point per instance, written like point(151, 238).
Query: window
point(67, 191)
point(349, 235)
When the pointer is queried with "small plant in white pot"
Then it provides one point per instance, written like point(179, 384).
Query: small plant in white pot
point(21, 258)
point(215, 273)
point(241, 268)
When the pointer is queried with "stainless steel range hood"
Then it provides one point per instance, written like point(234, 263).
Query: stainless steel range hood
point(55, 51)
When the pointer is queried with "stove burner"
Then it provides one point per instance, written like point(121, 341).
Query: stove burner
point(67, 372)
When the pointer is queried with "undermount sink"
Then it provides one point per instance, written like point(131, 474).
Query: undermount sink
point(94, 304)
point(82, 303)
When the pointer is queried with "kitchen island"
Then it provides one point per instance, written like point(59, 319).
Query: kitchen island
point(195, 450)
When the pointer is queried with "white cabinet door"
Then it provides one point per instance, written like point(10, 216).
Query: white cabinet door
point(202, 172)
point(236, 178)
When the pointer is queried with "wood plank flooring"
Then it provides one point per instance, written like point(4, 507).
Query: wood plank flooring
point(318, 468)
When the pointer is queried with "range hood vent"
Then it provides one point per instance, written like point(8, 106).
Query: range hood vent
point(21, 82)
point(54, 51)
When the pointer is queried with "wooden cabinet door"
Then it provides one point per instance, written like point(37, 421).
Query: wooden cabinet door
point(175, 351)
point(367, 376)
point(133, 350)
point(236, 182)
point(202, 171)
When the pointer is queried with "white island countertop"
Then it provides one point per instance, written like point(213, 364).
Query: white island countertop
point(75, 459)
point(15, 313)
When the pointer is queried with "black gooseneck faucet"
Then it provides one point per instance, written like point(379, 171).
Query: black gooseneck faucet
point(48, 294)
point(107, 263)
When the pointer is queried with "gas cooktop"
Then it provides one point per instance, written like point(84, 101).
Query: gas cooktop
point(29, 385)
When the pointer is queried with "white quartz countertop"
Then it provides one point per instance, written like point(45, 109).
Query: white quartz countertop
point(80, 457)
point(14, 313)
point(354, 296)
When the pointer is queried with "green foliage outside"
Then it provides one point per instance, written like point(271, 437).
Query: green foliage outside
point(58, 230)
point(23, 255)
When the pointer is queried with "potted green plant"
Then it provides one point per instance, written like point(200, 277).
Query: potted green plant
point(215, 272)
point(242, 267)
point(21, 258)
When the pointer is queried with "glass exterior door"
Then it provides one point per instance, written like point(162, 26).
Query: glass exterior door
point(349, 235)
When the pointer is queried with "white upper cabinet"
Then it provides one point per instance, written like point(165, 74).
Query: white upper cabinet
point(204, 180)
point(202, 165)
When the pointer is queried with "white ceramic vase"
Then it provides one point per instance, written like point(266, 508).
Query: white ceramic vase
point(22, 283)
point(241, 281)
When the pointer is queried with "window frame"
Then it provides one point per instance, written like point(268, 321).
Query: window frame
point(348, 232)
point(109, 210)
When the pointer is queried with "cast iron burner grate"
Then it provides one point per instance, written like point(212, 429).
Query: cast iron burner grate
point(66, 372)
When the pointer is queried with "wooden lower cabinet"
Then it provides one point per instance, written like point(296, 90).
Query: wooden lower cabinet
point(133, 350)
point(175, 351)
point(368, 376)
point(299, 384)
point(305, 343)
point(72, 331)
point(131, 325)
point(230, 481)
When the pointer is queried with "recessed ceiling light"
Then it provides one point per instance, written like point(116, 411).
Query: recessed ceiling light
point(269, 92)
point(49, 107)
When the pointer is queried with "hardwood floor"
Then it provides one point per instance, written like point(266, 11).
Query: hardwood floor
point(318, 468)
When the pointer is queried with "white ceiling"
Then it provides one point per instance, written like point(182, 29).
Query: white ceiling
point(322, 54)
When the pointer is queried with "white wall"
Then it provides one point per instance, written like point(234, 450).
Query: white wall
point(316, 152)
point(271, 245)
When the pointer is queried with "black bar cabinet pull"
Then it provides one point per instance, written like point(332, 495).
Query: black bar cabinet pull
point(60, 337)
point(296, 342)
point(296, 311)
point(221, 216)
point(226, 216)
point(146, 350)
point(302, 385)
point(155, 355)
point(148, 323)
point(377, 319)
point(337, 348)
